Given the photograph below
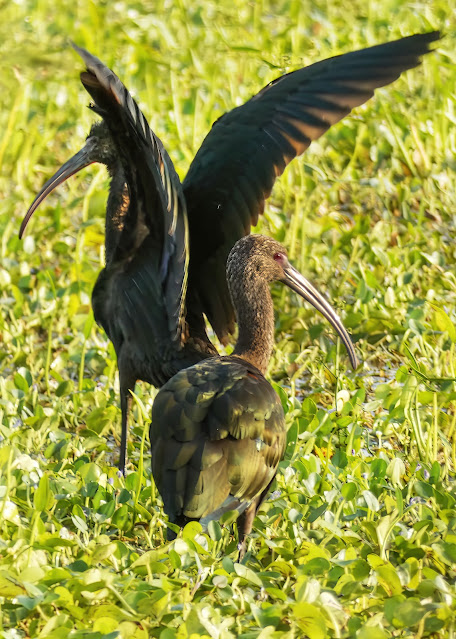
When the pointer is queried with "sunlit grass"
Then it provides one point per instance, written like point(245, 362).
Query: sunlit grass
point(359, 538)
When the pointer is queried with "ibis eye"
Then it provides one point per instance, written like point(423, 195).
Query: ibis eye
point(280, 258)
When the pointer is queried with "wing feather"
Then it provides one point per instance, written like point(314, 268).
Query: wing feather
point(157, 205)
point(251, 145)
point(230, 446)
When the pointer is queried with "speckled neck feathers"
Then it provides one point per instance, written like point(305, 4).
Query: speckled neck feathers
point(248, 282)
point(117, 208)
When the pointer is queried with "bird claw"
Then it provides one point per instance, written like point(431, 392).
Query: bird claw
point(242, 547)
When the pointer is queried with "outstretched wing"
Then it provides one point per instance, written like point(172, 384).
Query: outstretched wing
point(157, 213)
point(235, 168)
point(217, 436)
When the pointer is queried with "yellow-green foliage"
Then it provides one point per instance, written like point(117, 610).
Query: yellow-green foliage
point(360, 539)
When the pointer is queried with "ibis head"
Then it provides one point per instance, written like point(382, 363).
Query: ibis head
point(254, 262)
point(97, 148)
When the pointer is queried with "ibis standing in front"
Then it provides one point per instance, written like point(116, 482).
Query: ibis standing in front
point(218, 428)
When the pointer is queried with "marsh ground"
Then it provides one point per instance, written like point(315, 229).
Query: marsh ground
point(359, 537)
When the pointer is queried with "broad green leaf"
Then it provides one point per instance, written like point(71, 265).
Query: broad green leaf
point(443, 322)
point(192, 529)
point(9, 587)
point(402, 612)
point(43, 497)
point(248, 574)
point(120, 518)
point(371, 632)
point(349, 491)
point(310, 620)
point(389, 579)
point(371, 500)
point(90, 472)
point(214, 530)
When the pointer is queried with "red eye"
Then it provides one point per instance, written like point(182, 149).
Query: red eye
point(280, 258)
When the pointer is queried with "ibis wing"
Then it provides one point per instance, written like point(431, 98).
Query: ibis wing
point(217, 431)
point(157, 209)
point(235, 168)
point(128, 303)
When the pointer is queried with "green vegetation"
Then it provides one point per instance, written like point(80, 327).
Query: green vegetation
point(359, 537)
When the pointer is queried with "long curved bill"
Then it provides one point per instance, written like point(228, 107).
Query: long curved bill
point(80, 160)
point(305, 289)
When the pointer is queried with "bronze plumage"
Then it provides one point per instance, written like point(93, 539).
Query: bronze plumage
point(167, 243)
point(218, 428)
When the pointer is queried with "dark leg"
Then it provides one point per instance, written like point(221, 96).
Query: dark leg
point(244, 526)
point(127, 384)
point(245, 521)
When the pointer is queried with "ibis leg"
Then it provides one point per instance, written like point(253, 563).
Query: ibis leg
point(127, 384)
point(245, 524)
point(245, 521)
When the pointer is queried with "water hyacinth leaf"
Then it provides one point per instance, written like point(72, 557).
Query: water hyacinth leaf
point(349, 491)
point(402, 612)
point(43, 497)
point(435, 473)
point(309, 408)
point(9, 587)
point(316, 566)
point(228, 518)
point(106, 510)
point(371, 500)
point(21, 383)
point(64, 388)
point(388, 578)
point(120, 518)
point(310, 620)
point(385, 527)
point(143, 512)
point(215, 531)
point(446, 551)
point(294, 515)
point(360, 569)
point(371, 632)
point(283, 397)
point(248, 574)
point(92, 489)
point(79, 523)
point(276, 593)
point(191, 530)
point(124, 496)
point(174, 559)
point(315, 513)
point(51, 542)
point(102, 418)
point(79, 519)
point(220, 581)
point(444, 323)
point(268, 617)
point(423, 489)
point(228, 565)
point(90, 472)
point(340, 459)
point(132, 480)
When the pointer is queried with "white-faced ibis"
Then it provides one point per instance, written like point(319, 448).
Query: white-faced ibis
point(218, 428)
point(167, 243)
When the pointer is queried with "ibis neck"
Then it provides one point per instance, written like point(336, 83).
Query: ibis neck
point(255, 316)
point(116, 209)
